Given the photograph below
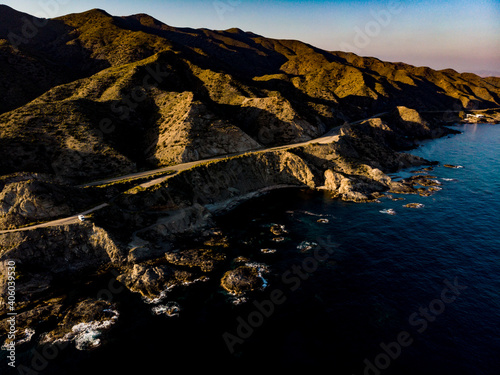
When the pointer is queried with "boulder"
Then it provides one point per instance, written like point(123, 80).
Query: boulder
point(241, 280)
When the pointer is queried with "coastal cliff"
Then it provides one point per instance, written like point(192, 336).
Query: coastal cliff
point(147, 234)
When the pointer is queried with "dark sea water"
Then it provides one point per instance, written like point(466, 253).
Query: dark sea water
point(413, 293)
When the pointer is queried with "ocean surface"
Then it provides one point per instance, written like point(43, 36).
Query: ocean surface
point(348, 289)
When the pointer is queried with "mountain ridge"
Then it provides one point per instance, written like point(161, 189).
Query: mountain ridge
point(208, 92)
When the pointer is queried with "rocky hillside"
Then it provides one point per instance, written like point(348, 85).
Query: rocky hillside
point(88, 95)
point(165, 235)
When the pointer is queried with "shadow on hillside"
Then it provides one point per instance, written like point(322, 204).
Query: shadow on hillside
point(48, 42)
point(245, 57)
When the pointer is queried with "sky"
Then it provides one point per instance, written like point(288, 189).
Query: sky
point(463, 34)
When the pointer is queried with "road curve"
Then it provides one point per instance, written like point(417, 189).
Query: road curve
point(65, 221)
point(331, 136)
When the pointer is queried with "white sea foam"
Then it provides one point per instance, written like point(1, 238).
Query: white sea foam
point(414, 205)
point(238, 300)
point(262, 269)
point(87, 335)
point(28, 334)
point(161, 296)
point(306, 246)
point(388, 211)
point(164, 293)
point(170, 309)
point(198, 280)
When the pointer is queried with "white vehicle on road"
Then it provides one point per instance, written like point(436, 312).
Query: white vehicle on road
point(81, 217)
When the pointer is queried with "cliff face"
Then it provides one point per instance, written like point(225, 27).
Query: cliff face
point(46, 257)
point(31, 201)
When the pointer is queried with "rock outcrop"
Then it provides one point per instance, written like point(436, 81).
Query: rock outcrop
point(44, 257)
point(241, 280)
point(204, 259)
point(151, 280)
point(32, 201)
point(84, 324)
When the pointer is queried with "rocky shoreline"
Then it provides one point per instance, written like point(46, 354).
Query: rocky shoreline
point(165, 236)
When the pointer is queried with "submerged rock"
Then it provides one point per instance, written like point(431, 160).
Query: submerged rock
point(388, 211)
point(279, 239)
point(306, 246)
point(414, 205)
point(267, 251)
point(424, 180)
point(170, 309)
point(278, 229)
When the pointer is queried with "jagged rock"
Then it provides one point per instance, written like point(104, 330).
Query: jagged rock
point(84, 323)
point(205, 259)
point(30, 201)
point(414, 205)
point(219, 241)
point(400, 187)
point(427, 180)
point(151, 280)
point(65, 251)
point(278, 229)
point(352, 188)
point(241, 280)
point(29, 320)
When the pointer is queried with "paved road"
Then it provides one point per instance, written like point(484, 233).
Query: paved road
point(67, 220)
point(331, 136)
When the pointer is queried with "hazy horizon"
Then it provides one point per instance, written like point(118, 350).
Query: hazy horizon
point(461, 35)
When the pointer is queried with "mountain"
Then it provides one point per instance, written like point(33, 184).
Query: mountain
point(88, 95)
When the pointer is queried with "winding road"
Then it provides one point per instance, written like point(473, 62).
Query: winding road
point(331, 136)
